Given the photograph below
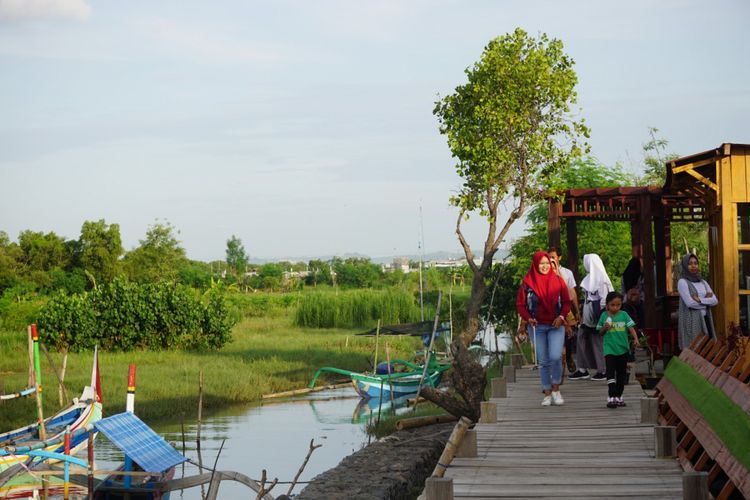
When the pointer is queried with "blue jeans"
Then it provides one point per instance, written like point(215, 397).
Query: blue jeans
point(549, 343)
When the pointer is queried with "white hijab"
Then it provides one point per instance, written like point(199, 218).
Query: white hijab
point(596, 281)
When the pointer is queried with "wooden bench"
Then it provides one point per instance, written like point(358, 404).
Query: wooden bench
point(699, 448)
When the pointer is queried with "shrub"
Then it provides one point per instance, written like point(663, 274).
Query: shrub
point(122, 315)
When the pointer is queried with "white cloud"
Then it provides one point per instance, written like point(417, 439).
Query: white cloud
point(28, 10)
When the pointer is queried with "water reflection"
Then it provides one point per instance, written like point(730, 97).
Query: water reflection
point(273, 436)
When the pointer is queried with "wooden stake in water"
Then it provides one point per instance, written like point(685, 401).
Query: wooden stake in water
point(61, 394)
point(200, 407)
point(38, 383)
point(390, 381)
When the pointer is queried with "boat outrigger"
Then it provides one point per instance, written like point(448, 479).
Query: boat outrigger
point(25, 445)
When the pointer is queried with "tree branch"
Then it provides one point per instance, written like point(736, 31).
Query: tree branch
point(467, 249)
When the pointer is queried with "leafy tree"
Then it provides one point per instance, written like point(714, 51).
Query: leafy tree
point(159, 257)
point(319, 273)
point(99, 249)
point(43, 252)
point(236, 256)
point(510, 128)
point(196, 274)
point(356, 272)
point(10, 262)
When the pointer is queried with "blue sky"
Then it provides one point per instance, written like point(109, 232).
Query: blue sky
point(306, 128)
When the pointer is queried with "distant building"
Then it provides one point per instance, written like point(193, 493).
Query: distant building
point(401, 263)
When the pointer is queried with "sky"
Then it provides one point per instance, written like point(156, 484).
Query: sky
point(306, 128)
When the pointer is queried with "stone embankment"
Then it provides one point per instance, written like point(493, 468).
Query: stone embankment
point(394, 468)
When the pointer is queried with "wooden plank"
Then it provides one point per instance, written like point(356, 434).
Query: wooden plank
point(740, 176)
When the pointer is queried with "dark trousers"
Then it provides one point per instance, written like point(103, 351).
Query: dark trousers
point(616, 373)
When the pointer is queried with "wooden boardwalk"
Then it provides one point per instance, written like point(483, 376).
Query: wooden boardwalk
point(579, 450)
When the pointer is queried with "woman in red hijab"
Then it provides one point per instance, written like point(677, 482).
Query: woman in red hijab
point(544, 301)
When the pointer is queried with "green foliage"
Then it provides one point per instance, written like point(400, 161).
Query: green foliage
point(196, 274)
point(505, 126)
point(99, 249)
point(19, 306)
point(159, 256)
point(43, 252)
point(236, 256)
point(319, 273)
point(261, 304)
point(356, 272)
point(356, 308)
point(122, 315)
point(611, 240)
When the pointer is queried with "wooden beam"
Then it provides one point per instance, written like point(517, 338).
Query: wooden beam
point(692, 165)
point(553, 224)
point(703, 179)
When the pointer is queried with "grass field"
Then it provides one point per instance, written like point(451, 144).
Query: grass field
point(268, 354)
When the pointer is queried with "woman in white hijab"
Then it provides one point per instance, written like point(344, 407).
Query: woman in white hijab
point(589, 344)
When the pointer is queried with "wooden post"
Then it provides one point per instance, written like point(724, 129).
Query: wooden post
point(487, 412)
point(451, 447)
point(31, 357)
point(468, 446)
point(649, 411)
point(553, 223)
point(509, 374)
point(665, 441)
point(130, 398)
point(499, 388)
point(572, 250)
point(63, 398)
point(438, 488)
point(516, 360)
point(695, 486)
point(38, 383)
point(90, 451)
point(200, 408)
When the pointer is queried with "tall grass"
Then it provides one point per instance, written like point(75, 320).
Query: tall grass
point(267, 355)
point(356, 308)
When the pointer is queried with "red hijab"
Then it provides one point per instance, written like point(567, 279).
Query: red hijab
point(547, 287)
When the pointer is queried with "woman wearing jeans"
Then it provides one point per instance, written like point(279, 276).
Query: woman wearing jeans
point(543, 302)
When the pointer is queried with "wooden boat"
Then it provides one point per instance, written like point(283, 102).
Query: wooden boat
point(16, 446)
point(401, 383)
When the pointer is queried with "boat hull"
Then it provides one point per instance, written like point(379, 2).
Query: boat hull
point(373, 386)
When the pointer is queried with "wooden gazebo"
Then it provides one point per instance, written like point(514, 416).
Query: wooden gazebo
point(711, 186)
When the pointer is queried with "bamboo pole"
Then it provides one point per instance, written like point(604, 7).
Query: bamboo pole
point(200, 407)
point(38, 383)
point(390, 381)
point(429, 349)
point(297, 392)
point(31, 357)
point(377, 338)
point(62, 394)
point(410, 423)
point(451, 447)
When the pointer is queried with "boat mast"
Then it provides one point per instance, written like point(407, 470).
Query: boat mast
point(421, 259)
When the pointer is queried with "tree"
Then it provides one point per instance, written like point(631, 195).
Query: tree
point(99, 249)
point(43, 252)
point(510, 128)
point(318, 273)
point(158, 258)
point(236, 256)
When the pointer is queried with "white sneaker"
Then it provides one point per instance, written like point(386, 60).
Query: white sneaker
point(557, 398)
point(547, 401)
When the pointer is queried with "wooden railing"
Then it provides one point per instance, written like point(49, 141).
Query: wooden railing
point(699, 448)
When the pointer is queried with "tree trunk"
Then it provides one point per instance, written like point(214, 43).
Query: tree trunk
point(478, 290)
point(467, 378)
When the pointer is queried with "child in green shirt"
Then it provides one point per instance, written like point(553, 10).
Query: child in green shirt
point(615, 324)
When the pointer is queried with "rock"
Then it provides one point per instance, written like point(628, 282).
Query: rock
point(394, 468)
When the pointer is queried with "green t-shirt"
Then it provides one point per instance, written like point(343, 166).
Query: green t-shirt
point(616, 339)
